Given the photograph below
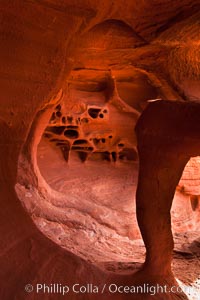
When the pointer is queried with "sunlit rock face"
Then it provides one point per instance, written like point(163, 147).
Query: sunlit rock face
point(75, 78)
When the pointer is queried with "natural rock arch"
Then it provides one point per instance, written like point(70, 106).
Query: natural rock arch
point(37, 53)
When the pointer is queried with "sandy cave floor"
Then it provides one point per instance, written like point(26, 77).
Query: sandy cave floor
point(113, 186)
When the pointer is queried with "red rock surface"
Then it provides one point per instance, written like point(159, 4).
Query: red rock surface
point(65, 220)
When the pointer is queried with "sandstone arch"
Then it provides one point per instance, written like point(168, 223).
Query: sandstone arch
point(38, 51)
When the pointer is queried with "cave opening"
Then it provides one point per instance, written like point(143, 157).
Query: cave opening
point(88, 150)
point(87, 156)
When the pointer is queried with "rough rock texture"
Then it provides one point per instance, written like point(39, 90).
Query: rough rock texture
point(165, 144)
point(91, 125)
point(106, 55)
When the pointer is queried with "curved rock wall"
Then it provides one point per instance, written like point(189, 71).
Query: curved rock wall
point(40, 45)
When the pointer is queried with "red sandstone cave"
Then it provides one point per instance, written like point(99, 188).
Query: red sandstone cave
point(100, 148)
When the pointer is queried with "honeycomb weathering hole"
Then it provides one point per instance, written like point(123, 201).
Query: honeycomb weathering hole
point(71, 134)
